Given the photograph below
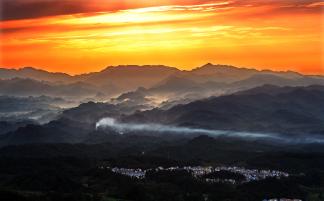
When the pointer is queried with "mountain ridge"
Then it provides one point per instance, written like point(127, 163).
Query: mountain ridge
point(293, 112)
point(290, 111)
point(207, 65)
point(159, 83)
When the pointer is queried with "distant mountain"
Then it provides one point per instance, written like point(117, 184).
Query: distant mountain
point(40, 109)
point(172, 91)
point(163, 78)
point(272, 79)
point(175, 84)
point(13, 104)
point(29, 87)
point(91, 112)
point(73, 125)
point(145, 86)
point(275, 90)
point(129, 77)
point(258, 79)
point(112, 80)
point(35, 74)
point(221, 73)
point(141, 96)
point(229, 74)
point(296, 110)
point(203, 81)
point(178, 89)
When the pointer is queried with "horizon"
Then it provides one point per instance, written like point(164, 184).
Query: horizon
point(77, 37)
point(158, 65)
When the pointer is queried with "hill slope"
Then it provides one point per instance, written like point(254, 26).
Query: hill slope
point(284, 110)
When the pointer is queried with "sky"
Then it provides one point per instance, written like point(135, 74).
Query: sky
point(79, 36)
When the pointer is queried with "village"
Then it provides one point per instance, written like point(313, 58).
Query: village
point(201, 172)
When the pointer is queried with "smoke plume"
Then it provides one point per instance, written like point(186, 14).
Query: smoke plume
point(123, 128)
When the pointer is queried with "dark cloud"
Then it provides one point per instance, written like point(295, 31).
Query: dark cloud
point(294, 3)
point(19, 9)
point(26, 9)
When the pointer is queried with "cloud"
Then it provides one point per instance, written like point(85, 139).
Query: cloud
point(26, 9)
point(129, 127)
point(196, 7)
point(237, 32)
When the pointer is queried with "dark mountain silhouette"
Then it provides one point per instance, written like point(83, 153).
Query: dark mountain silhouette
point(9, 126)
point(58, 131)
point(91, 112)
point(178, 89)
point(72, 126)
point(130, 77)
point(297, 110)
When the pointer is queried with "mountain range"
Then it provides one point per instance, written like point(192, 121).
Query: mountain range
point(203, 81)
point(38, 106)
point(291, 111)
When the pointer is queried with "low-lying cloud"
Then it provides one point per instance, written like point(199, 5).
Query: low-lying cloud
point(123, 128)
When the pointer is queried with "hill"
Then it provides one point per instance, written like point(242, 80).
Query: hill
point(290, 110)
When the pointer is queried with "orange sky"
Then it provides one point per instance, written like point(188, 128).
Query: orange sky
point(76, 36)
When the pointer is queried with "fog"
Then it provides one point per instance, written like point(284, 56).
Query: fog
point(123, 128)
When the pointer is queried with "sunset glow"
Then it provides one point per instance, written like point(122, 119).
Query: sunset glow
point(278, 35)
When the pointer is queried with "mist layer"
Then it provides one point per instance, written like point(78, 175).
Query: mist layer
point(123, 128)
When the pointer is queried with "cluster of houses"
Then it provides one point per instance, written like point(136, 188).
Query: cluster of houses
point(200, 171)
point(134, 173)
point(254, 174)
point(282, 199)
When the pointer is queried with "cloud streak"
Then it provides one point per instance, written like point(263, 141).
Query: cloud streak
point(123, 128)
point(27, 9)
